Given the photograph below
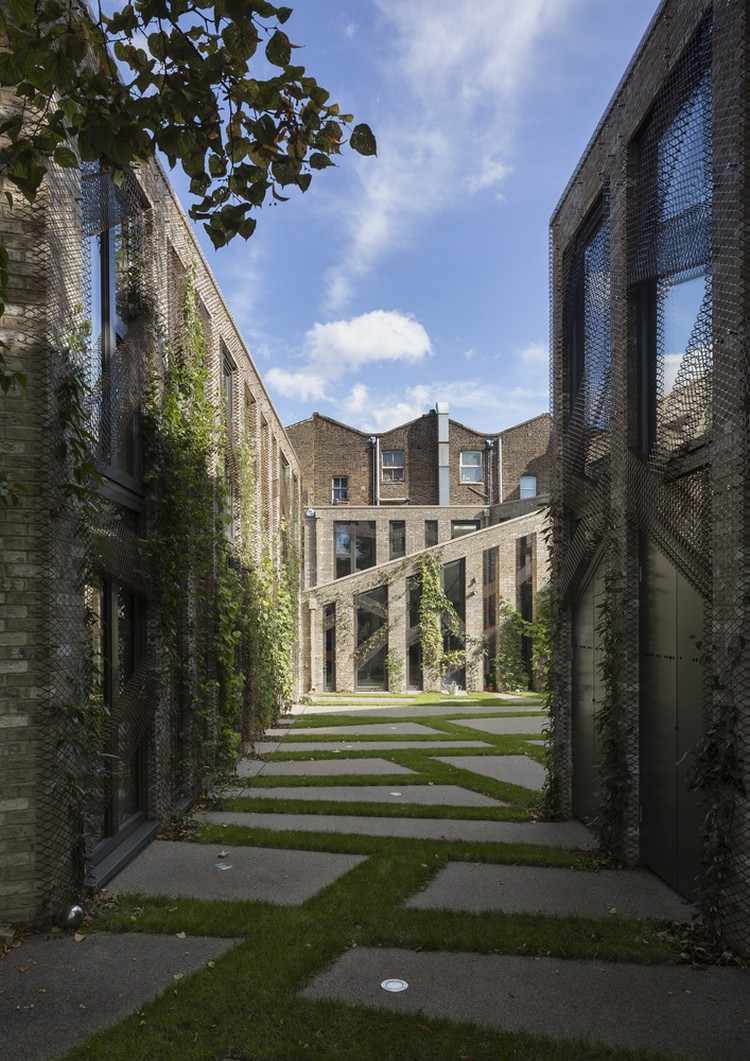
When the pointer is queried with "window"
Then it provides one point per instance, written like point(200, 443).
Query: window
point(228, 369)
point(489, 592)
point(525, 596)
point(393, 465)
point(528, 486)
point(339, 489)
point(398, 538)
point(465, 526)
point(471, 466)
point(430, 532)
point(354, 547)
point(670, 266)
point(372, 637)
point(454, 587)
point(329, 634)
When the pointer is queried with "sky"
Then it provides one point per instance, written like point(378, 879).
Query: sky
point(422, 274)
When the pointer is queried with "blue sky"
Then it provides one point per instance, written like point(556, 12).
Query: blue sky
point(422, 274)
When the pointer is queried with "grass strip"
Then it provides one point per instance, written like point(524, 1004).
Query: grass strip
point(248, 1006)
point(341, 808)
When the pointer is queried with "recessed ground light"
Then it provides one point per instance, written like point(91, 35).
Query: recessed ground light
point(395, 793)
point(394, 985)
point(223, 866)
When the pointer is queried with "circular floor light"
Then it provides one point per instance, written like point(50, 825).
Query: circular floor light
point(394, 985)
point(395, 793)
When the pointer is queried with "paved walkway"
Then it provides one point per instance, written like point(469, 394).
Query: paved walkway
point(54, 993)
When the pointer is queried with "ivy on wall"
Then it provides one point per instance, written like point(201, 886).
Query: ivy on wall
point(614, 777)
point(436, 616)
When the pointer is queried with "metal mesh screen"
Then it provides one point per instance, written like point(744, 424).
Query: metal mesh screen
point(650, 378)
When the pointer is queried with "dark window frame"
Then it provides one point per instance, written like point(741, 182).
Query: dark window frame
point(397, 539)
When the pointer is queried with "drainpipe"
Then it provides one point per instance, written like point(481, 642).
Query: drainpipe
point(375, 443)
point(490, 444)
point(444, 469)
point(500, 468)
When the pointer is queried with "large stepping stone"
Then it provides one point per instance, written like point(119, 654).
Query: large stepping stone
point(515, 769)
point(702, 1015)
point(392, 729)
point(548, 890)
point(268, 747)
point(197, 871)
point(426, 795)
point(569, 835)
point(501, 726)
point(55, 993)
point(319, 768)
point(420, 710)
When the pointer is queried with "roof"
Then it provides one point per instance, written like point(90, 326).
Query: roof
point(408, 423)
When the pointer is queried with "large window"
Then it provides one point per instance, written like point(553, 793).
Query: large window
point(354, 547)
point(670, 267)
point(527, 486)
point(339, 489)
point(397, 539)
point(393, 465)
point(413, 632)
point(430, 532)
point(460, 527)
point(372, 638)
point(470, 463)
point(329, 635)
point(525, 594)
point(489, 603)
point(454, 585)
point(228, 375)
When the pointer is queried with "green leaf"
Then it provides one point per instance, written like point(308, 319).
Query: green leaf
point(283, 13)
point(304, 180)
point(363, 141)
point(65, 157)
point(278, 49)
point(320, 161)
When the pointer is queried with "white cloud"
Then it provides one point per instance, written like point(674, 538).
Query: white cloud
point(344, 347)
point(470, 354)
point(457, 69)
point(350, 30)
point(302, 386)
point(490, 173)
point(535, 354)
point(356, 403)
point(484, 406)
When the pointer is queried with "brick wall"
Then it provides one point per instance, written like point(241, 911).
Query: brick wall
point(526, 451)
point(42, 616)
point(394, 574)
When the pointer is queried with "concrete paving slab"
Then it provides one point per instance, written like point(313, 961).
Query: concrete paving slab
point(426, 795)
point(391, 729)
point(569, 835)
point(538, 743)
point(55, 993)
point(701, 1015)
point(320, 768)
point(549, 890)
point(194, 871)
point(515, 769)
point(500, 726)
point(418, 710)
point(268, 747)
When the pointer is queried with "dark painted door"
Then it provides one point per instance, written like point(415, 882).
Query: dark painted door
point(671, 721)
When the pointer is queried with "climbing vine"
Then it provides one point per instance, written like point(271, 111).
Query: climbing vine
point(717, 774)
point(187, 541)
point(437, 616)
point(510, 670)
point(614, 775)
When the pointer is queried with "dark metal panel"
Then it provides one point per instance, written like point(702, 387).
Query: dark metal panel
point(670, 720)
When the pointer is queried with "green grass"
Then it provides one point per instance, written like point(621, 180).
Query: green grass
point(247, 1006)
point(371, 810)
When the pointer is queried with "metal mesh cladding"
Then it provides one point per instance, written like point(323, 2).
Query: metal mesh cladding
point(649, 371)
point(119, 738)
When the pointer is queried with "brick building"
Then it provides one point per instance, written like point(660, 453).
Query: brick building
point(120, 259)
point(376, 503)
point(650, 561)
